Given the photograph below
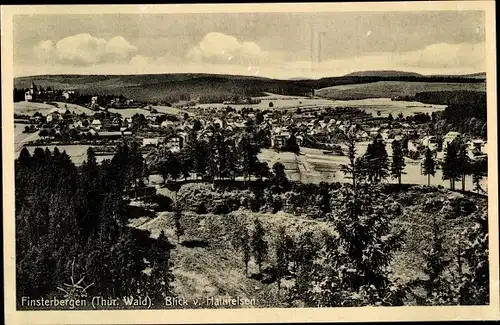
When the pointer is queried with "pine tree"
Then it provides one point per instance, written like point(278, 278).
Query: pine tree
point(161, 273)
point(351, 168)
point(259, 244)
point(479, 169)
point(438, 287)
point(429, 165)
point(179, 229)
point(357, 258)
point(376, 161)
point(281, 261)
point(450, 164)
point(245, 245)
point(398, 161)
point(474, 286)
point(464, 162)
point(279, 179)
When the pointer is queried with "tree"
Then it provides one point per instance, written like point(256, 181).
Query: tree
point(479, 169)
point(351, 168)
point(245, 245)
point(429, 165)
point(259, 245)
point(262, 170)
point(464, 161)
point(450, 165)
point(398, 161)
point(271, 104)
point(279, 180)
point(291, 144)
point(281, 261)
point(196, 125)
point(474, 284)
point(376, 161)
point(355, 270)
point(248, 155)
point(179, 229)
point(161, 272)
point(437, 285)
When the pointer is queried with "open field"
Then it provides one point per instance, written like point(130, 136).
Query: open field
point(129, 112)
point(31, 108)
point(389, 89)
point(369, 105)
point(313, 166)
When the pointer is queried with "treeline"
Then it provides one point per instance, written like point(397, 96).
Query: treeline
point(71, 233)
point(222, 156)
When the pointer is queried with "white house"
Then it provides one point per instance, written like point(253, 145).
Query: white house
point(150, 141)
point(449, 137)
point(429, 142)
point(96, 124)
point(166, 124)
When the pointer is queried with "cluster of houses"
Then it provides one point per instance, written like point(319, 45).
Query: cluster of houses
point(38, 93)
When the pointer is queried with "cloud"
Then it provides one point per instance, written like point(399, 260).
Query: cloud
point(433, 59)
point(84, 50)
point(225, 54)
point(222, 48)
point(445, 55)
point(44, 50)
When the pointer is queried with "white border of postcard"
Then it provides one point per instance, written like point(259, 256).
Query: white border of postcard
point(357, 314)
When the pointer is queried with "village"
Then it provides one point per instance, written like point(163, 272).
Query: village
point(105, 121)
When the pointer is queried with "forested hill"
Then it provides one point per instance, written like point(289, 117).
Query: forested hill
point(159, 87)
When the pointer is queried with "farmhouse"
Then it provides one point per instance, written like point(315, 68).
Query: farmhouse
point(449, 137)
point(175, 144)
point(150, 141)
point(96, 124)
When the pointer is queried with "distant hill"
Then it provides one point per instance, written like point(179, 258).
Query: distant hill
point(383, 73)
point(218, 87)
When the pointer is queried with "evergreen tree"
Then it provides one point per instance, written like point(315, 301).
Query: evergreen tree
point(259, 244)
point(248, 155)
point(398, 161)
point(437, 285)
point(161, 272)
point(355, 270)
point(429, 165)
point(464, 161)
point(245, 245)
point(479, 169)
point(279, 179)
point(376, 161)
point(450, 165)
point(474, 284)
point(179, 229)
point(351, 168)
point(281, 261)
point(291, 144)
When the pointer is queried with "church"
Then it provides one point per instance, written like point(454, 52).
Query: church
point(32, 93)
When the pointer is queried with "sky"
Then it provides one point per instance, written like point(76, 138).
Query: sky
point(277, 45)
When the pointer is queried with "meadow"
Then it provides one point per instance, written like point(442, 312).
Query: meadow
point(389, 89)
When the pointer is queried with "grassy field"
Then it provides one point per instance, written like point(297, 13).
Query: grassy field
point(389, 89)
point(31, 108)
point(206, 264)
point(313, 166)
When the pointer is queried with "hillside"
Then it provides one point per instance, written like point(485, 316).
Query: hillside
point(383, 73)
point(217, 88)
point(206, 263)
point(390, 89)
